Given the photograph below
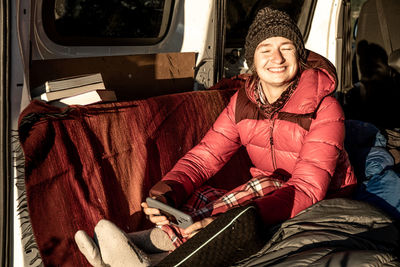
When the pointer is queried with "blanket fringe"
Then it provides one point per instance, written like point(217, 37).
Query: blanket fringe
point(31, 249)
point(29, 120)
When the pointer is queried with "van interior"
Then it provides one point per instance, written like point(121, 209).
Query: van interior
point(173, 65)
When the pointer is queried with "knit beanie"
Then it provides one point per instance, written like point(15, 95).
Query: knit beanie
point(272, 23)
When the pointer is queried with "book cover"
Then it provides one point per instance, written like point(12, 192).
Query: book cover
point(50, 96)
point(67, 83)
point(86, 98)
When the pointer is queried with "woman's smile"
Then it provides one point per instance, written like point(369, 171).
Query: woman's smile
point(276, 69)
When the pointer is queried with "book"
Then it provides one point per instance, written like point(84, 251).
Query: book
point(68, 83)
point(50, 96)
point(86, 98)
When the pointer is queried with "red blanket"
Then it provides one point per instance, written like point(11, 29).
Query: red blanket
point(87, 163)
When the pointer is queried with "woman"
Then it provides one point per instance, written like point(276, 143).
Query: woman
point(292, 128)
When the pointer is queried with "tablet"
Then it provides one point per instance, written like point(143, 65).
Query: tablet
point(175, 216)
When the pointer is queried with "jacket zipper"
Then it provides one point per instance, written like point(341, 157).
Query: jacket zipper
point(271, 142)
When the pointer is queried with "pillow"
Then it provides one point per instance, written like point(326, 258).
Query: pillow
point(233, 236)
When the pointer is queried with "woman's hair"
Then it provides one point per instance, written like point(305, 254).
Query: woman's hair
point(303, 65)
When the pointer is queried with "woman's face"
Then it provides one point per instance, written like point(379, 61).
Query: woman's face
point(276, 62)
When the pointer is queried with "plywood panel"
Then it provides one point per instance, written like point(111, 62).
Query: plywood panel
point(132, 77)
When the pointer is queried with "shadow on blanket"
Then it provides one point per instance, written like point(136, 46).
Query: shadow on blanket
point(83, 164)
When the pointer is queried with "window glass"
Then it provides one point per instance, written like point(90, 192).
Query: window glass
point(355, 8)
point(106, 22)
point(355, 13)
point(240, 14)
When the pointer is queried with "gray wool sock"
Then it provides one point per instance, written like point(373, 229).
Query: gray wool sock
point(116, 248)
point(88, 248)
point(153, 240)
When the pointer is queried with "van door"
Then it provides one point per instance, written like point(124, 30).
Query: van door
point(5, 181)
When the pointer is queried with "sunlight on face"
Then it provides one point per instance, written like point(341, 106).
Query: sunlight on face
point(276, 63)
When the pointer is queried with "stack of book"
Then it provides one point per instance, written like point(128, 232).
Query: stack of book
point(77, 90)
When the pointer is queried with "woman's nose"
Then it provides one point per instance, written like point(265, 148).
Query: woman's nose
point(277, 57)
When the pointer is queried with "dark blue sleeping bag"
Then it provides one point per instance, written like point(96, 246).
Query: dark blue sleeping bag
point(379, 184)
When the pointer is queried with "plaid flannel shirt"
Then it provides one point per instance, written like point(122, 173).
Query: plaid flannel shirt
point(207, 201)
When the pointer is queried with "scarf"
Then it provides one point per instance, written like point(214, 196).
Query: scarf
point(270, 109)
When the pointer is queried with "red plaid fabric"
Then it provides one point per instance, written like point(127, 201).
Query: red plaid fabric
point(207, 201)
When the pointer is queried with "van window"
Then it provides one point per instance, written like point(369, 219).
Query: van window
point(106, 22)
point(354, 14)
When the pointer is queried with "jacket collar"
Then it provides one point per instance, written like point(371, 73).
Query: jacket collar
point(315, 83)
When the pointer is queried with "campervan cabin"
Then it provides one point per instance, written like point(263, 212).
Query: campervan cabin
point(151, 48)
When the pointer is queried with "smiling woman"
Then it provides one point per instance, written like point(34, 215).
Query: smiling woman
point(81, 165)
point(294, 137)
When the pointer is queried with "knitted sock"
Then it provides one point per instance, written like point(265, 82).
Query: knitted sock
point(89, 248)
point(153, 240)
point(116, 249)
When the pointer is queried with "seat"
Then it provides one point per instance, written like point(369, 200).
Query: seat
point(375, 97)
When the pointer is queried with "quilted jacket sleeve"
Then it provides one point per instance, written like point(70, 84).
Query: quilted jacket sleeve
point(204, 160)
point(314, 168)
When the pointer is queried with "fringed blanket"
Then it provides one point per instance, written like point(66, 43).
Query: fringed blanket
point(83, 164)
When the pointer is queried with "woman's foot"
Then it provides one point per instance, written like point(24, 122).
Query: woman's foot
point(89, 248)
point(153, 240)
point(116, 248)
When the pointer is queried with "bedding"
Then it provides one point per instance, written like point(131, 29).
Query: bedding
point(333, 232)
point(236, 234)
point(375, 167)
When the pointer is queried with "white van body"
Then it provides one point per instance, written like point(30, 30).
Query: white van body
point(192, 29)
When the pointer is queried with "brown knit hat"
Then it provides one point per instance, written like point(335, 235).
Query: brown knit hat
point(272, 23)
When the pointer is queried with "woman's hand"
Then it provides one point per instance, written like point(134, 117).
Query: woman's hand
point(154, 215)
point(197, 226)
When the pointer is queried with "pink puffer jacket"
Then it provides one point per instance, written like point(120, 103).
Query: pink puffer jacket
point(303, 143)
